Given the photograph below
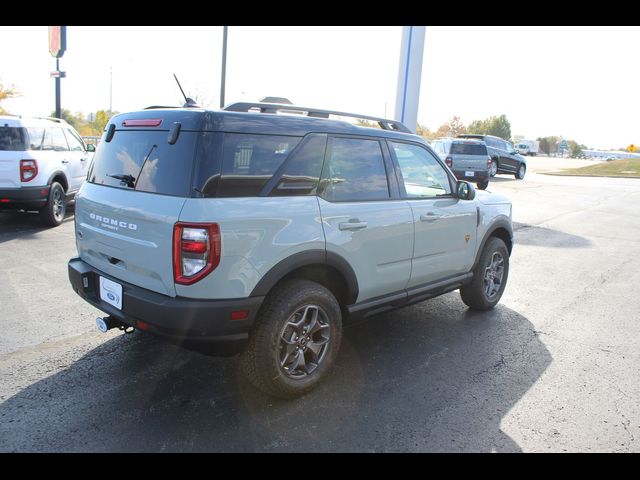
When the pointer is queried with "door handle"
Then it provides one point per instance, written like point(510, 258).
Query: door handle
point(353, 224)
point(429, 217)
point(65, 161)
point(83, 159)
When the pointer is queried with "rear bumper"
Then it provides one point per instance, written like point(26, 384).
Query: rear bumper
point(25, 198)
point(477, 176)
point(190, 322)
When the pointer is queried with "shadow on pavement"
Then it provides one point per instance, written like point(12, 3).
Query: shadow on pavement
point(431, 377)
point(526, 234)
point(26, 225)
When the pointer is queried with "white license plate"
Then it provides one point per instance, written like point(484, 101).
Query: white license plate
point(468, 174)
point(111, 292)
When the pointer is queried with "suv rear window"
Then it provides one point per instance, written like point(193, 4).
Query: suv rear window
point(13, 139)
point(468, 148)
point(144, 161)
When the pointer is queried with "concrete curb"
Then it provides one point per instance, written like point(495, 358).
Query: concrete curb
point(558, 174)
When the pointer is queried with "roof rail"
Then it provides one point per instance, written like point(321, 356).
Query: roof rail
point(384, 123)
point(53, 119)
point(159, 106)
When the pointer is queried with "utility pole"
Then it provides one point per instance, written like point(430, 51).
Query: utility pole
point(224, 65)
point(110, 89)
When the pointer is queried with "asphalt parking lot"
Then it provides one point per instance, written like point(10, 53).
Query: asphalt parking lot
point(554, 367)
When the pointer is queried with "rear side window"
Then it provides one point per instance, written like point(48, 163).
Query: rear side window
point(301, 173)
point(55, 140)
point(354, 171)
point(240, 165)
point(36, 136)
point(13, 139)
point(468, 149)
point(144, 161)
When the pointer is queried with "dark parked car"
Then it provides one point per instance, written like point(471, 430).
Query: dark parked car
point(504, 157)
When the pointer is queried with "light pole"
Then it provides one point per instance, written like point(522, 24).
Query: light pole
point(110, 89)
point(224, 65)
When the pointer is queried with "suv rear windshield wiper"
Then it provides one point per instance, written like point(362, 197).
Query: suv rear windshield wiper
point(128, 180)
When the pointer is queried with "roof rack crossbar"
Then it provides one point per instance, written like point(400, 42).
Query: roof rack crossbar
point(385, 123)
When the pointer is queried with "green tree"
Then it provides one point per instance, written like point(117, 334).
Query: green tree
point(102, 117)
point(497, 126)
point(68, 117)
point(549, 145)
point(575, 150)
point(544, 145)
point(477, 126)
point(5, 93)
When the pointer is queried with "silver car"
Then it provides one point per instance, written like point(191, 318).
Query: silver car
point(467, 158)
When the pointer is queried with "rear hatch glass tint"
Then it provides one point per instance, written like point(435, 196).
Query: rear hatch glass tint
point(468, 148)
point(13, 139)
point(143, 160)
point(239, 165)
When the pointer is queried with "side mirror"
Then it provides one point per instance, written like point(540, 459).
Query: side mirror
point(513, 153)
point(91, 148)
point(465, 190)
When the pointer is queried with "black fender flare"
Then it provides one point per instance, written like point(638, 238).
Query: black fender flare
point(498, 224)
point(59, 173)
point(304, 259)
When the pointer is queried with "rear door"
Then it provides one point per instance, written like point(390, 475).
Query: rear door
point(364, 220)
point(507, 161)
point(445, 227)
point(127, 208)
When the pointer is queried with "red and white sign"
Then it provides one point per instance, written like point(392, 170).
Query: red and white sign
point(57, 41)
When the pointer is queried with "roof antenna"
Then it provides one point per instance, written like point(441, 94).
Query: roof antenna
point(188, 102)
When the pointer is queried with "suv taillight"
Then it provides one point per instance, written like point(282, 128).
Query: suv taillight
point(196, 251)
point(489, 163)
point(28, 170)
point(449, 162)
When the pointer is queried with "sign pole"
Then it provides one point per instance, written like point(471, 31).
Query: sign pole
point(58, 102)
point(57, 47)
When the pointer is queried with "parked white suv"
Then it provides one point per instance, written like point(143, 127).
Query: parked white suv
point(43, 162)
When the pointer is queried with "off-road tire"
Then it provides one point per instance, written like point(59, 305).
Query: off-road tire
point(260, 361)
point(474, 294)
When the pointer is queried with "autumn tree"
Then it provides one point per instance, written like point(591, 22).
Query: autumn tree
point(102, 117)
point(5, 93)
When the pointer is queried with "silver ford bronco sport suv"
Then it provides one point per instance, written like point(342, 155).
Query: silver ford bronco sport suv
point(261, 233)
